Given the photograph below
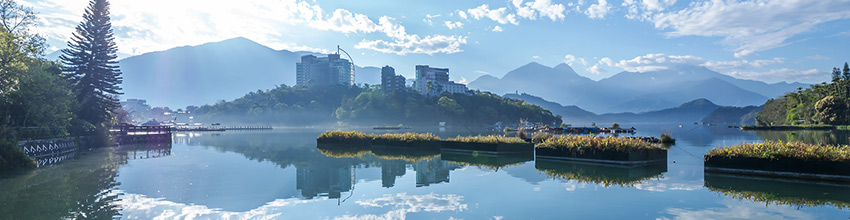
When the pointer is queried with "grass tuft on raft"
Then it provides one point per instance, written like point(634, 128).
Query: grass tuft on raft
point(784, 150)
point(489, 139)
point(596, 143)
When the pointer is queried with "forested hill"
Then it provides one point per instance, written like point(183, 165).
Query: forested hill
point(285, 105)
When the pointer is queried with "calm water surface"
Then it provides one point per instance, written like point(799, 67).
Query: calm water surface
point(280, 174)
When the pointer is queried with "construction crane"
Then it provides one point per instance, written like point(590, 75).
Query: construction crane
point(338, 49)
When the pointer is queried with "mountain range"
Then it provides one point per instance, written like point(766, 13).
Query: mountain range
point(225, 70)
point(692, 111)
point(632, 91)
point(207, 73)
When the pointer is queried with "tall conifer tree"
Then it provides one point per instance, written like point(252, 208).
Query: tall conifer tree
point(90, 62)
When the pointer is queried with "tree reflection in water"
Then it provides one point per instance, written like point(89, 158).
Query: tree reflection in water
point(81, 188)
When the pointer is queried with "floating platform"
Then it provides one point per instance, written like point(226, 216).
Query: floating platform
point(630, 157)
point(836, 171)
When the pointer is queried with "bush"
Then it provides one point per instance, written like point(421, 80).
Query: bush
point(667, 139)
point(541, 136)
point(12, 156)
point(521, 134)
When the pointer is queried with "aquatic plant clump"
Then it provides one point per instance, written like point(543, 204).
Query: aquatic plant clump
point(489, 139)
point(407, 137)
point(352, 137)
point(779, 150)
point(667, 139)
point(596, 143)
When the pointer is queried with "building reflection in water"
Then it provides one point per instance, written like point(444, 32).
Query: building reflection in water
point(432, 171)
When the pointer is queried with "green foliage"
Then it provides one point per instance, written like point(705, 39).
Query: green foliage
point(820, 103)
point(90, 62)
point(832, 110)
point(480, 108)
point(283, 104)
point(43, 99)
point(667, 139)
point(596, 143)
point(12, 156)
point(781, 150)
point(489, 139)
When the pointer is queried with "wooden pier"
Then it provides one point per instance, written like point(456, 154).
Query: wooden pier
point(132, 134)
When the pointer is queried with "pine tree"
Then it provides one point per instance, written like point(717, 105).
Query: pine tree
point(90, 63)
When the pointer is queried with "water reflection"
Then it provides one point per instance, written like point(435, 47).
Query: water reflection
point(780, 191)
point(489, 161)
point(604, 174)
point(841, 137)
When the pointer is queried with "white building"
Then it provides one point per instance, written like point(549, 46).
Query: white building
point(433, 81)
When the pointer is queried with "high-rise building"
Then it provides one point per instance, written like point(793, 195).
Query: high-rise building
point(324, 71)
point(433, 81)
point(390, 82)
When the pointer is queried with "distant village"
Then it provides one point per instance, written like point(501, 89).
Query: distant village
point(313, 71)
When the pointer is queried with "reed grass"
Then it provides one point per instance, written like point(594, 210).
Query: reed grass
point(489, 139)
point(783, 150)
point(597, 143)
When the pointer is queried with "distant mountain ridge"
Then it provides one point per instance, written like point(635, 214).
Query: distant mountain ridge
point(207, 73)
point(632, 91)
point(692, 111)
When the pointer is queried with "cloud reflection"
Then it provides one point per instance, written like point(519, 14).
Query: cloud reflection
point(403, 204)
point(137, 206)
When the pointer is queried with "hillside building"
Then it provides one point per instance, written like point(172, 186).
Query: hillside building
point(433, 81)
point(390, 82)
point(324, 71)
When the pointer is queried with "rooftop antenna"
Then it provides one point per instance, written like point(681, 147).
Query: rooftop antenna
point(338, 49)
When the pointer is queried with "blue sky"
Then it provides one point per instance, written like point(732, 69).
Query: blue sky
point(767, 40)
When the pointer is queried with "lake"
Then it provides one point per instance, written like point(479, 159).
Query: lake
point(280, 174)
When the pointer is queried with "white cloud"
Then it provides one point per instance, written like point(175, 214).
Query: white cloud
point(742, 69)
point(569, 59)
point(414, 44)
point(723, 66)
point(654, 62)
point(462, 14)
point(500, 15)
point(598, 10)
point(784, 74)
point(453, 25)
point(818, 57)
point(535, 57)
point(429, 19)
point(596, 69)
point(751, 26)
point(145, 26)
point(645, 9)
point(498, 29)
point(544, 8)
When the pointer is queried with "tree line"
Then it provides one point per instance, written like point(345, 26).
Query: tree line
point(825, 103)
point(40, 98)
point(369, 105)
